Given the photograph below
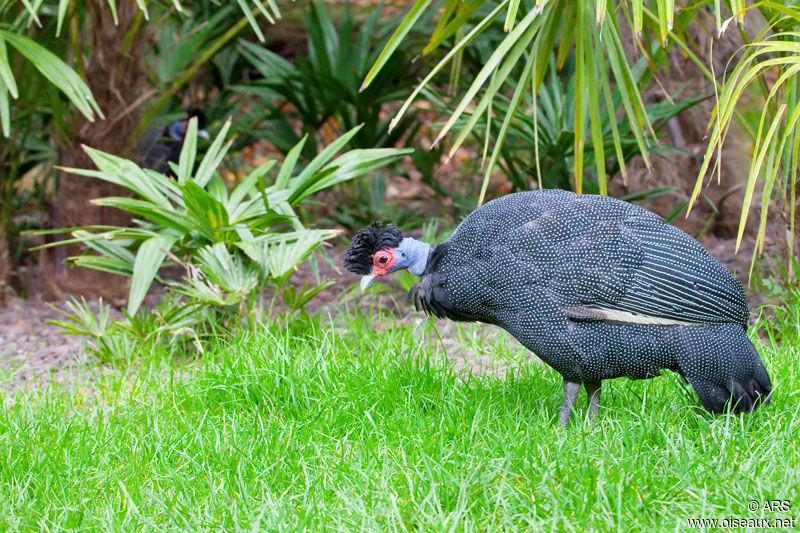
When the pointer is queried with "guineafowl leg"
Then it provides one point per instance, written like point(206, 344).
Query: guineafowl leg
point(593, 397)
point(571, 391)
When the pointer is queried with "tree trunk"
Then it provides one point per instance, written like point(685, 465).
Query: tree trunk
point(116, 74)
point(5, 267)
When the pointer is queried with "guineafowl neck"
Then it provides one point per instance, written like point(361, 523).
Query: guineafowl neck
point(176, 131)
point(417, 252)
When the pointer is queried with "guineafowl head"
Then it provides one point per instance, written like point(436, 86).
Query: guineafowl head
point(380, 249)
point(177, 130)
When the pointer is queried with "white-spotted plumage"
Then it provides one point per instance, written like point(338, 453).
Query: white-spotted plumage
point(599, 288)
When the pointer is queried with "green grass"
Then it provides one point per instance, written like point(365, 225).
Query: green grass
point(346, 427)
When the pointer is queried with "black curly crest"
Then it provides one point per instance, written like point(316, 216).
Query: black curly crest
point(202, 120)
point(366, 242)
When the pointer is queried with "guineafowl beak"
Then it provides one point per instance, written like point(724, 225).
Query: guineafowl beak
point(366, 281)
point(204, 134)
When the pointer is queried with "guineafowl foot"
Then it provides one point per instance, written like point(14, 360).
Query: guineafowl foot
point(571, 391)
point(593, 398)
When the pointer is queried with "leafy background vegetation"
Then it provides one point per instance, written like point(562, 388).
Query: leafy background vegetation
point(222, 382)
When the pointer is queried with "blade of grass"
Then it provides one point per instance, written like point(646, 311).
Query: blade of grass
point(511, 15)
point(416, 11)
point(456, 49)
point(149, 258)
point(501, 134)
point(188, 152)
point(514, 45)
point(596, 124)
point(755, 168)
point(637, 17)
point(580, 95)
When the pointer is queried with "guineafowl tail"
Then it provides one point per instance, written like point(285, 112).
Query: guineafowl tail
point(723, 367)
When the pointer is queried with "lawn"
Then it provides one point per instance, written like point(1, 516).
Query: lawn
point(349, 426)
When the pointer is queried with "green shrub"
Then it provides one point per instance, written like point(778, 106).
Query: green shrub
point(325, 84)
point(230, 243)
point(540, 143)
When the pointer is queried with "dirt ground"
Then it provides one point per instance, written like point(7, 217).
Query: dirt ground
point(34, 353)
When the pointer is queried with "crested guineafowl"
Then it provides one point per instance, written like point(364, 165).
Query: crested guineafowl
point(596, 287)
point(159, 147)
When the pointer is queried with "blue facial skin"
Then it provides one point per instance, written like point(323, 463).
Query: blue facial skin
point(177, 130)
point(411, 254)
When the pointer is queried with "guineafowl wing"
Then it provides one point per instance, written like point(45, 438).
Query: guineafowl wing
point(676, 278)
point(620, 263)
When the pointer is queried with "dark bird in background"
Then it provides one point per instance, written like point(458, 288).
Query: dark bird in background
point(595, 287)
point(159, 147)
